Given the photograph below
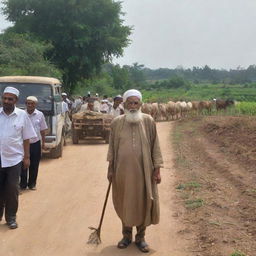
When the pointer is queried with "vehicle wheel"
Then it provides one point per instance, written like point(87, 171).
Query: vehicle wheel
point(57, 152)
point(75, 136)
point(107, 137)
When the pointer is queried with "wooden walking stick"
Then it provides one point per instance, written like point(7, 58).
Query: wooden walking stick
point(94, 237)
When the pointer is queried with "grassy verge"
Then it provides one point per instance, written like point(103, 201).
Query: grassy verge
point(237, 253)
point(190, 186)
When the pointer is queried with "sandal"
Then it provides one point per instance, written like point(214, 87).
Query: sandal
point(124, 243)
point(142, 246)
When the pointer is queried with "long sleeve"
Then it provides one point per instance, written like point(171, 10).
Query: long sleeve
point(110, 155)
point(156, 151)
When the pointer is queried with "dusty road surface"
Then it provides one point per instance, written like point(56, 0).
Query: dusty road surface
point(54, 220)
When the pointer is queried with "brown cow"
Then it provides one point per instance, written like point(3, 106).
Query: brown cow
point(146, 108)
point(195, 106)
point(154, 110)
point(162, 111)
point(205, 105)
point(223, 104)
point(173, 110)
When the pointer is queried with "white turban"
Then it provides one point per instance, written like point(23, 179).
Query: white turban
point(131, 93)
point(32, 98)
point(12, 90)
point(64, 94)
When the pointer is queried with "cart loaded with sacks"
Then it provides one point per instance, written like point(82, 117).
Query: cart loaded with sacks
point(90, 125)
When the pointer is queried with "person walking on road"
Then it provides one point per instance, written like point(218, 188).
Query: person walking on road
point(135, 159)
point(38, 121)
point(65, 103)
point(65, 111)
point(15, 133)
point(117, 109)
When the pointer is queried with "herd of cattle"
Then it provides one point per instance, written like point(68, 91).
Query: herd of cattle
point(174, 110)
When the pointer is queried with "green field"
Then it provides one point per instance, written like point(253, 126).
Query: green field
point(246, 108)
point(202, 92)
point(240, 109)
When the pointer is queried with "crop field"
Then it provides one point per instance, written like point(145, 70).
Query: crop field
point(246, 108)
point(203, 92)
point(240, 109)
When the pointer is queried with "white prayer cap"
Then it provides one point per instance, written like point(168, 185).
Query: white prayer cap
point(64, 94)
point(12, 90)
point(131, 93)
point(118, 97)
point(32, 98)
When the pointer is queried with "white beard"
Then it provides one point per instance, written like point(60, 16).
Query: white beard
point(133, 116)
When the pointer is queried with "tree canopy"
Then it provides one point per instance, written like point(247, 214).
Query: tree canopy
point(84, 33)
point(20, 55)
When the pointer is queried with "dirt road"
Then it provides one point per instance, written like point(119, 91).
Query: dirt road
point(53, 220)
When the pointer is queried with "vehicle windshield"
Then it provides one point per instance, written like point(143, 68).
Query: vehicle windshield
point(43, 92)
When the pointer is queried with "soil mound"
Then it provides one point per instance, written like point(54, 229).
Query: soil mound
point(235, 135)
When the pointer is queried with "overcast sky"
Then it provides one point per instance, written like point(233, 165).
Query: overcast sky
point(169, 33)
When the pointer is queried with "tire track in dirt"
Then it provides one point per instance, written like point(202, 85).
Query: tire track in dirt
point(226, 221)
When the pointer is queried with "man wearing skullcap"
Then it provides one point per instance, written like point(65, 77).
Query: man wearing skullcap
point(90, 105)
point(104, 107)
point(117, 109)
point(65, 103)
point(135, 159)
point(38, 121)
point(15, 133)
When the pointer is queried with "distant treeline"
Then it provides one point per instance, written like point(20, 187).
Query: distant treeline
point(204, 74)
point(138, 76)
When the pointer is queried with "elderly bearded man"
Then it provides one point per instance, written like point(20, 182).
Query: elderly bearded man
point(134, 168)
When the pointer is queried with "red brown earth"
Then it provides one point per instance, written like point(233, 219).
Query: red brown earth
point(216, 182)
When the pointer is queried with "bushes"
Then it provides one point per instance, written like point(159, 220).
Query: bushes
point(246, 108)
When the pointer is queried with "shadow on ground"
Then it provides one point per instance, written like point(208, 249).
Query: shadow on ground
point(114, 251)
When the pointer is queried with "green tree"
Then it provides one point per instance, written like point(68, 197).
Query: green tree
point(20, 55)
point(120, 77)
point(85, 33)
point(136, 74)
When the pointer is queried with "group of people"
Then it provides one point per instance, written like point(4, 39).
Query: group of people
point(134, 158)
point(104, 105)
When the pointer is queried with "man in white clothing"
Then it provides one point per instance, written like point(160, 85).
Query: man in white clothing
point(15, 133)
point(38, 121)
point(117, 109)
point(65, 107)
point(104, 107)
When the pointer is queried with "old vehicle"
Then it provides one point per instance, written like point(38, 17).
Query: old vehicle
point(91, 125)
point(48, 92)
